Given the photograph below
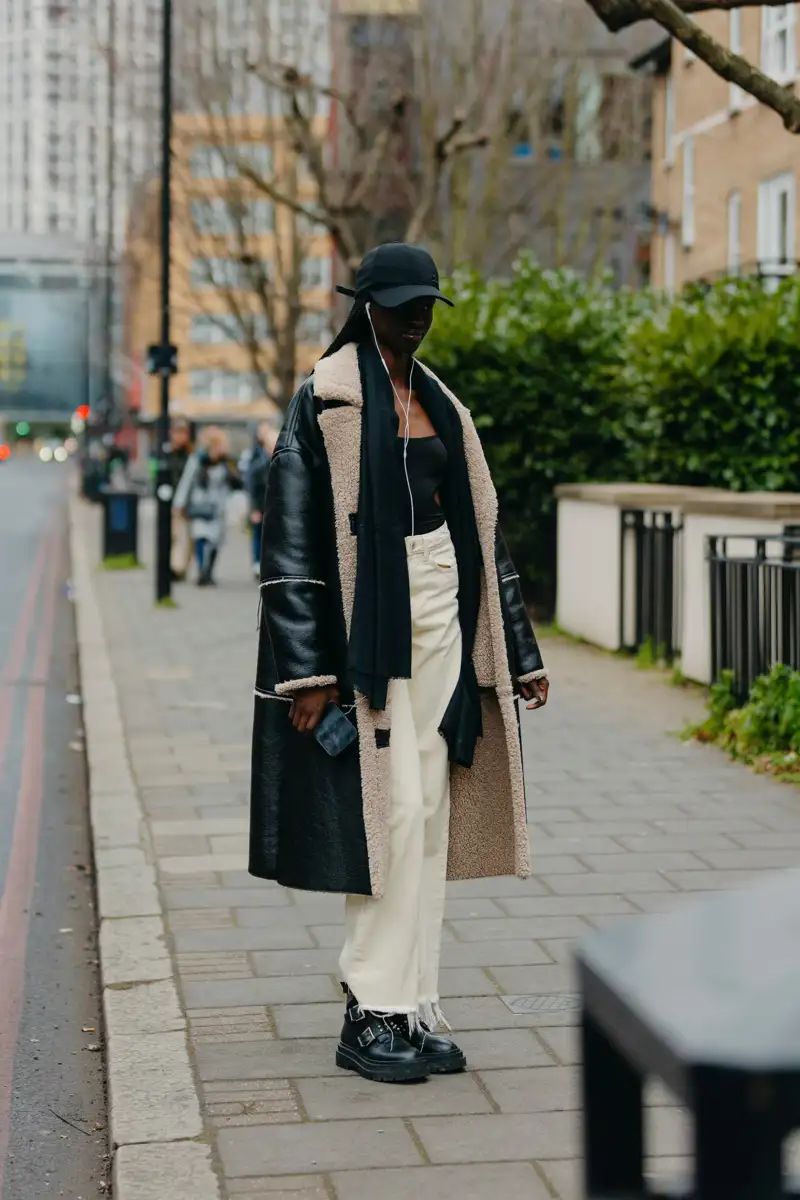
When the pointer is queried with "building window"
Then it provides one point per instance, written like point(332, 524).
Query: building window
point(206, 162)
point(687, 226)
point(260, 217)
point(314, 328)
point(221, 162)
point(232, 387)
point(669, 120)
point(216, 272)
point(257, 155)
point(220, 217)
point(734, 233)
point(669, 263)
point(779, 42)
point(220, 328)
point(776, 220)
point(736, 95)
point(227, 273)
point(316, 273)
point(212, 216)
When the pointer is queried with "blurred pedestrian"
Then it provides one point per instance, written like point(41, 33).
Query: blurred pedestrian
point(207, 481)
point(395, 632)
point(180, 439)
point(257, 472)
point(180, 447)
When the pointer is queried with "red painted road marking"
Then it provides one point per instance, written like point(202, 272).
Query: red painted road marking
point(15, 662)
point(12, 668)
point(17, 898)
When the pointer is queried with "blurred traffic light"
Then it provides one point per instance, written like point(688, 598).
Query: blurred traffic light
point(23, 428)
point(82, 411)
point(5, 452)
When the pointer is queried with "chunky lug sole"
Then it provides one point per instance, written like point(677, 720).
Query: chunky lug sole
point(350, 1060)
point(445, 1064)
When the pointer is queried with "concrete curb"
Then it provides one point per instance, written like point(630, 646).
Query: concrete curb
point(154, 1109)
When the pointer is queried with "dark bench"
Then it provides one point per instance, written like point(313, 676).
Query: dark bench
point(706, 998)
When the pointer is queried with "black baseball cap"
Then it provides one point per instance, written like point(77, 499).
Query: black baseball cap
point(394, 273)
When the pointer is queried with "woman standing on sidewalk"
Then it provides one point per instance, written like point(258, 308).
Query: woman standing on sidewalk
point(202, 497)
point(393, 614)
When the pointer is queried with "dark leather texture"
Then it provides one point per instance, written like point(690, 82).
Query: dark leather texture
point(295, 559)
point(306, 823)
point(524, 655)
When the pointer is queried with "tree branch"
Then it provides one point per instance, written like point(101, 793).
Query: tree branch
point(724, 62)
point(454, 141)
point(619, 14)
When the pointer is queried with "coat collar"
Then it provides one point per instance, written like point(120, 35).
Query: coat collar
point(339, 377)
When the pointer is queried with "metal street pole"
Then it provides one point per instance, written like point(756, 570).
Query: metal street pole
point(163, 481)
point(111, 163)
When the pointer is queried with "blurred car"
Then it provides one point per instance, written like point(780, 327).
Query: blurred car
point(53, 450)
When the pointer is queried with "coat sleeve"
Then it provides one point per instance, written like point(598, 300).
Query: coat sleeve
point(294, 586)
point(524, 655)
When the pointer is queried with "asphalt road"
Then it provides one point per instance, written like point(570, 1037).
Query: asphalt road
point(53, 1137)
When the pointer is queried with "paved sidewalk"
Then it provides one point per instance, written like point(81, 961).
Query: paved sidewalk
point(626, 819)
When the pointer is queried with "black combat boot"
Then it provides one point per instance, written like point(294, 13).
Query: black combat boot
point(374, 1046)
point(441, 1054)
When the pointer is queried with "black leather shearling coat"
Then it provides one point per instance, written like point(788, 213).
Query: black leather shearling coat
point(307, 828)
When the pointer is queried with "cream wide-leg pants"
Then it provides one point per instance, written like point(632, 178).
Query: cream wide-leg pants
point(390, 959)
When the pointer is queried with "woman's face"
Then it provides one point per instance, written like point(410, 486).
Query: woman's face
point(402, 330)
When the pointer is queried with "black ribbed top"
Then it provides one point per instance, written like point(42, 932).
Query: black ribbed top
point(427, 464)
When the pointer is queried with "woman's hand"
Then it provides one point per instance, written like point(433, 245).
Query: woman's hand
point(536, 692)
point(309, 706)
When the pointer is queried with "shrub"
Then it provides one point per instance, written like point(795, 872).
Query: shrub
point(535, 358)
point(570, 381)
point(717, 380)
point(766, 730)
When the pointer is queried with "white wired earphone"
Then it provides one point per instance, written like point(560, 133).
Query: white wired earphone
point(405, 408)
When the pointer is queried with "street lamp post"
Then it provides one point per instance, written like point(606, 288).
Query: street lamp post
point(164, 361)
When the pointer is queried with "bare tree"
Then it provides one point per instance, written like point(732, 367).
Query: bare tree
point(568, 156)
point(411, 131)
point(674, 16)
point(258, 268)
point(476, 127)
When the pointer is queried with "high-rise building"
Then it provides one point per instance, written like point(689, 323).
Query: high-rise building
point(78, 124)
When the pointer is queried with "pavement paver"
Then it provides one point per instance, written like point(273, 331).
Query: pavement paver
point(625, 819)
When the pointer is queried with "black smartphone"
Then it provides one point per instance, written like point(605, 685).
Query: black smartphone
point(335, 732)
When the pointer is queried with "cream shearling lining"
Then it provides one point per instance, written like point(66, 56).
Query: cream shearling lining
point(488, 826)
point(532, 676)
point(289, 686)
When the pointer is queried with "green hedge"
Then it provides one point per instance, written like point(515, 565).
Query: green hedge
point(570, 381)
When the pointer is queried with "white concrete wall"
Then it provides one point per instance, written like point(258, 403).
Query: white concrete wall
point(588, 602)
point(696, 651)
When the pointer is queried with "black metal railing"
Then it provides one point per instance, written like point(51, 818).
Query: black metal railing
point(650, 582)
point(755, 604)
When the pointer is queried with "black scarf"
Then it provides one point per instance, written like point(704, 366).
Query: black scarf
point(380, 634)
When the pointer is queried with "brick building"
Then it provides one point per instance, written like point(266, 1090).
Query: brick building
point(724, 167)
point(233, 342)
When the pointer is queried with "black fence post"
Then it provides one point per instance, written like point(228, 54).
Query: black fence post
point(655, 537)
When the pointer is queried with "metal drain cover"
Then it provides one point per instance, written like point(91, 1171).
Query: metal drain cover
point(544, 1003)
